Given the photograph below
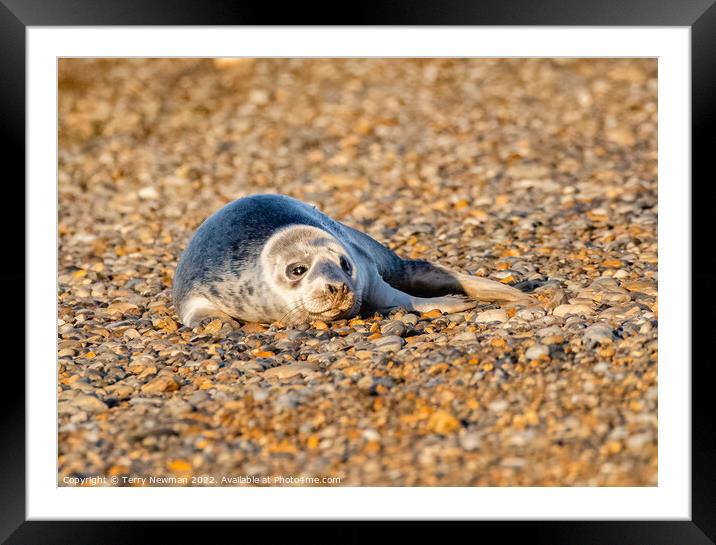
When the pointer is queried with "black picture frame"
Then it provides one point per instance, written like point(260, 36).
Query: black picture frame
point(17, 15)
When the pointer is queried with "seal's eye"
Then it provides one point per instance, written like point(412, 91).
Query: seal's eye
point(296, 270)
point(345, 265)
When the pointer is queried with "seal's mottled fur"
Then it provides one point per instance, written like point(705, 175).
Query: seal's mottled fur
point(234, 266)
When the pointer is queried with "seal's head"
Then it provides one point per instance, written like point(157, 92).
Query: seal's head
point(314, 274)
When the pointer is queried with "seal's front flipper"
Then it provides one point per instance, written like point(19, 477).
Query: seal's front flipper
point(382, 297)
point(425, 279)
point(198, 309)
point(446, 303)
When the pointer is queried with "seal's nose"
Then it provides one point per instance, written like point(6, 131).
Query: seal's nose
point(337, 288)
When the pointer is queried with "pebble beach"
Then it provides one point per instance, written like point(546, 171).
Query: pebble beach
point(532, 172)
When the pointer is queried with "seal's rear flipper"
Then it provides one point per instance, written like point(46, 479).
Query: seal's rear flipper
point(484, 289)
point(427, 280)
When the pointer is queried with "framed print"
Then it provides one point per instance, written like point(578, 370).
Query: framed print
point(431, 266)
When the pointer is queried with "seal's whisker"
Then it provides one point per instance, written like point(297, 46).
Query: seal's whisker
point(300, 305)
point(295, 306)
point(291, 308)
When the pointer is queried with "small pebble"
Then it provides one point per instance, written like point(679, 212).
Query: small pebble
point(495, 315)
point(470, 441)
point(410, 319)
point(89, 403)
point(579, 309)
point(162, 383)
point(391, 343)
point(536, 352)
point(598, 333)
point(393, 328)
point(288, 371)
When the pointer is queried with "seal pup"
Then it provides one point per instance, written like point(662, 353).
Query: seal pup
point(267, 258)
